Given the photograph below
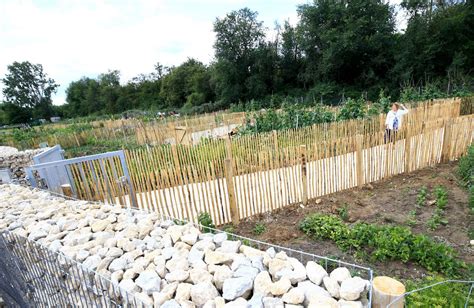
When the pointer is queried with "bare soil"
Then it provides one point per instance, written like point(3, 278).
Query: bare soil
point(384, 202)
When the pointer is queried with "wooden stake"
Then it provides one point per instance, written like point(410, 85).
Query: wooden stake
point(386, 290)
point(234, 211)
point(446, 141)
point(359, 171)
point(304, 176)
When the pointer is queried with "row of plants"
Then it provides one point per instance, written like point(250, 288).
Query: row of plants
point(294, 115)
point(384, 243)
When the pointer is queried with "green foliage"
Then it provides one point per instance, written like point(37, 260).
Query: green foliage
point(353, 109)
point(343, 212)
point(466, 166)
point(421, 197)
point(441, 197)
point(205, 220)
point(259, 228)
point(384, 242)
point(290, 116)
point(27, 92)
point(450, 294)
point(229, 229)
point(411, 221)
point(441, 201)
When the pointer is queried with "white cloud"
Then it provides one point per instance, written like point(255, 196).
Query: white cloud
point(79, 38)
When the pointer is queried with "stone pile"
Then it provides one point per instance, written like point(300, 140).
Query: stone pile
point(16, 161)
point(165, 264)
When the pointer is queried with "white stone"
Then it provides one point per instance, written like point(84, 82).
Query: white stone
point(312, 290)
point(198, 275)
point(203, 292)
point(315, 272)
point(280, 287)
point(183, 292)
point(177, 263)
point(262, 284)
point(114, 252)
point(256, 301)
point(351, 288)
point(236, 287)
point(237, 303)
point(271, 252)
point(340, 274)
point(246, 271)
point(118, 264)
point(170, 304)
point(189, 239)
point(149, 282)
point(331, 286)
point(219, 238)
point(294, 296)
point(229, 246)
point(91, 262)
point(177, 275)
point(144, 298)
point(37, 234)
point(168, 252)
point(276, 265)
point(349, 304)
point(128, 286)
point(215, 257)
point(240, 260)
point(273, 302)
point(318, 301)
point(297, 274)
point(221, 273)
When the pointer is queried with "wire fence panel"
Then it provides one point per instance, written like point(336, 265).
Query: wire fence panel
point(34, 276)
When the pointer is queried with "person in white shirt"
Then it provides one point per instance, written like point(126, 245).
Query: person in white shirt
point(394, 121)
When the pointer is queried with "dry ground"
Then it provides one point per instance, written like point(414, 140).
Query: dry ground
point(383, 202)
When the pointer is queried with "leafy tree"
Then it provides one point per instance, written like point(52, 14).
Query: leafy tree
point(27, 92)
point(238, 36)
point(349, 42)
point(187, 83)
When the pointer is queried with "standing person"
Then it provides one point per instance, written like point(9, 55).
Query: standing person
point(394, 121)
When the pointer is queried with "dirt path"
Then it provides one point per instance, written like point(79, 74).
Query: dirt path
point(384, 202)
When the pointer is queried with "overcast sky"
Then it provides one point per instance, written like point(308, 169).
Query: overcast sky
point(75, 38)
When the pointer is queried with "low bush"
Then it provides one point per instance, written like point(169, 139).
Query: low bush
point(259, 228)
point(449, 294)
point(384, 242)
point(205, 220)
point(466, 172)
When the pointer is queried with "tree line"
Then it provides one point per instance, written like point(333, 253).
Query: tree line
point(338, 49)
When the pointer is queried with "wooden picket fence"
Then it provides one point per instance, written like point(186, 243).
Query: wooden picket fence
point(232, 179)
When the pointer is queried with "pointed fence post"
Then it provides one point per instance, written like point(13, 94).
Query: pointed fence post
point(446, 141)
point(407, 148)
point(234, 211)
point(359, 171)
point(304, 174)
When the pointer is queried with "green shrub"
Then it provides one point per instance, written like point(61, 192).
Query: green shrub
point(449, 294)
point(343, 212)
point(466, 172)
point(259, 228)
point(205, 220)
point(441, 197)
point(384, 242)
point(421, 198)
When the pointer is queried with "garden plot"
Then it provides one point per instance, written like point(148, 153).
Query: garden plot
point(163, 263)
